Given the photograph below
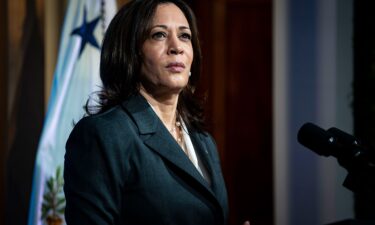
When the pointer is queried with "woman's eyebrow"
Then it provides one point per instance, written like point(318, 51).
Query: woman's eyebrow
point(166, 27)
point(160, 26)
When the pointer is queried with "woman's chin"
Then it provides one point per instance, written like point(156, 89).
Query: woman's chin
point(174, 89)
point(176, 85)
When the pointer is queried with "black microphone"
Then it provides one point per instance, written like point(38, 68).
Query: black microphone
point(335, 142)
point(358, 160)
point(318, 140)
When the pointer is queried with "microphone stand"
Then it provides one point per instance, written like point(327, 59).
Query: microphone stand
point(358, 162)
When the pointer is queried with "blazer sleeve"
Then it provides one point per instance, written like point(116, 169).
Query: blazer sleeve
point(92, 176)
point(211, 145)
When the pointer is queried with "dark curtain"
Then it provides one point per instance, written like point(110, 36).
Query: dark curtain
point(364, 91)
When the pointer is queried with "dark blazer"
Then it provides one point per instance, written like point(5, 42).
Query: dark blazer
point(124, 167)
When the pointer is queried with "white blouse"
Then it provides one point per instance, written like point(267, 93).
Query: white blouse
point(194, 158)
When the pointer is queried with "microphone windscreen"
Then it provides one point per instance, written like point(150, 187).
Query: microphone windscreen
point(316, 139)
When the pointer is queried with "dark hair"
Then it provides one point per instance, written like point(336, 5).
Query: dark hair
point(121, 60)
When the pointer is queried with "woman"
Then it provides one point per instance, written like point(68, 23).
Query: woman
point(144, 158)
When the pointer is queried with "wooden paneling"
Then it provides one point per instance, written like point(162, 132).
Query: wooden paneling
point(218, 81)
point(248, 152)
point(211, 19)
point(26, 99)
point(237, 71)
point(3, 104)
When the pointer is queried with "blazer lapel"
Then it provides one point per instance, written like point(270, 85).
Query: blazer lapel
point(157, 137)
point(202, 151)
point(217, 182)
point(162, 143)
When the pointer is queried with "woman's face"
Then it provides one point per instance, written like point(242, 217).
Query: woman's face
point(167, 52)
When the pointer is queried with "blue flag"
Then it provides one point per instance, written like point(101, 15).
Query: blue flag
point(76, 77)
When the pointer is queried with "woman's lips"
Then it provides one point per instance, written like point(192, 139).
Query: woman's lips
point(175, 67)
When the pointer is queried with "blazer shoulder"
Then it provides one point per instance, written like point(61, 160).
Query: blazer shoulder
point(115, 116)
point(111, 125)
point(207, 138)
point(109, 135)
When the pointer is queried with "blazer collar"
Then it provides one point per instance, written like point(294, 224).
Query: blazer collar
point(157, 137)
point(142, 113)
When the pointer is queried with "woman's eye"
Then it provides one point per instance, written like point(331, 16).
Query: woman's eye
point(186, 36)
point(158, 35)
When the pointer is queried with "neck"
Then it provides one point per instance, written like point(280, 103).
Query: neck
point(165, 106)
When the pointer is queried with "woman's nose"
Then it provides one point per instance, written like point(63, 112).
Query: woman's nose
point(175, 46)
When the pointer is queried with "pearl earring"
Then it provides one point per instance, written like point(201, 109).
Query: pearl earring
point(189, 74)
